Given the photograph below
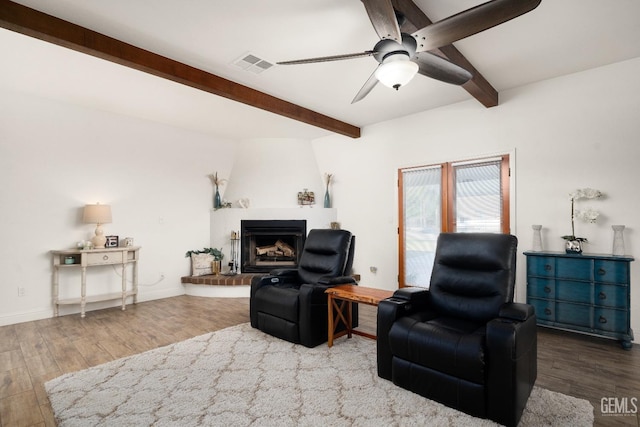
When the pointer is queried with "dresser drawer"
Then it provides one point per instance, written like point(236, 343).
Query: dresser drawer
point(541, 266)
point(574, 268)
point(574, 314)
point(104, 258)
point(611, 271)
point(545, 310)
point(569, 290)
point(538, 287)
point(611, 320)
point(611, 295)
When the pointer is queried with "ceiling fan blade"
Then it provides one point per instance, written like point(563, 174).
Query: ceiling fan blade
point(368, 87)
point(327, 58)
point(470, 22)
point(383, 18)
point(436, 67)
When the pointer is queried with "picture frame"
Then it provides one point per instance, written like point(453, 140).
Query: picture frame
point(112, 242)
point(306, 197)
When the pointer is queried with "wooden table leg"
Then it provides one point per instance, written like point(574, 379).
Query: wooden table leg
point(350, 319)
point(83, 290)
point(330, 314)
point(339, 316)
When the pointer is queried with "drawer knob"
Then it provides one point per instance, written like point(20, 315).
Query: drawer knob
point(547, 311)
point(602, 319)
point(602, 295)
point(106, 257)
point(547, 289)
point(547, 267)
point(602, 271)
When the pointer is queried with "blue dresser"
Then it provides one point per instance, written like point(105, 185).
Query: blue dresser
point(587, 293)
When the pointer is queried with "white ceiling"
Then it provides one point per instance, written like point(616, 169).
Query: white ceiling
point(559, 37)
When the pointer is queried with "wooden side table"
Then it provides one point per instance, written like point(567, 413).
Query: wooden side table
point(83, 259)
point(348, 294)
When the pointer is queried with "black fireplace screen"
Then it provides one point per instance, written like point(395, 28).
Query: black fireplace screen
point(270, 244)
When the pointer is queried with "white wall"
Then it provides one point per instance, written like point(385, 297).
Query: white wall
point(576, 131)
point(55, 158)
point(271, 171)
point(566, 133)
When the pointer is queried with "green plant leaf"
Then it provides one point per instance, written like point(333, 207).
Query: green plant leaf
point(217, 253)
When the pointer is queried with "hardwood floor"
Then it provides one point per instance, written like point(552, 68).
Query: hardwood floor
point(34, 352)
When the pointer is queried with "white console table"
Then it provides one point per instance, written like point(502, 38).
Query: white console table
point(82, 259)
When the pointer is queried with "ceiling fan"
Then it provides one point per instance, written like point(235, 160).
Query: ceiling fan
point(401, 56)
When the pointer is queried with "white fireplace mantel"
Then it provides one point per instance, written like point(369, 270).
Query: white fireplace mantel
point(224, 221)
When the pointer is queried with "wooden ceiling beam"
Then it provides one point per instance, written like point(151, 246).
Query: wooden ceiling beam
point(478, 86)
point(24, 20)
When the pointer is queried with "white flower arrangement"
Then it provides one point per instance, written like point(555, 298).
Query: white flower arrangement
point(589, 215)
point(585, 193)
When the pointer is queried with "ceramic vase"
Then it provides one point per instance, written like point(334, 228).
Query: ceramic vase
point(618, 240)
point(217, 202)
point(537, 238)
point(573, 246)
point(216, 266)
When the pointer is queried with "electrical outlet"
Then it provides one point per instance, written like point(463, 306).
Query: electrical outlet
point(21, 291)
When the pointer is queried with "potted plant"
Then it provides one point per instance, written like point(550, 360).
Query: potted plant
point(573, 244)
point(217, 255)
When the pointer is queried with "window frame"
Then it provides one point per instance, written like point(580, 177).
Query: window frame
point(447, 201)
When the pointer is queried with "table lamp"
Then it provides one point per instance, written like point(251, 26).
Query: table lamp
point(97, 214)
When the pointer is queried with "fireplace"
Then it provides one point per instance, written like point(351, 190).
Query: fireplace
point(270, 244)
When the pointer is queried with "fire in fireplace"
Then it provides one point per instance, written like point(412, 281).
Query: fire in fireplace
point(270, 244)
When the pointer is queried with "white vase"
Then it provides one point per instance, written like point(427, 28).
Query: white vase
point(618, 240)
point(537, 238)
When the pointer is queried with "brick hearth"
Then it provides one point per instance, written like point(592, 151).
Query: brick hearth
point(221, 280)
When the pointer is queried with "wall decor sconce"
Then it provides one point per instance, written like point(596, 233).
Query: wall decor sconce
point(97, 214)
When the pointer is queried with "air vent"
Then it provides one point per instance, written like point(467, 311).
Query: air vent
point(252, 63)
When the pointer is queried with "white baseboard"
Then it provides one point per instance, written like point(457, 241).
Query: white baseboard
point(13, 318)
point(47, 313)
point(149, 295)
point(213, 291)
point(144, 295)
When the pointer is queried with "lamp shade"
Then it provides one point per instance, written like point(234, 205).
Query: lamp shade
point(96, 214)
point(396, 70)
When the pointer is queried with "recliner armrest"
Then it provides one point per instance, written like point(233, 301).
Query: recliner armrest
point(516, 311)
point(334, 281)
point(512, 348)
point(278, 276)
point(284, 272)
point(414, 295)
point(389, 310)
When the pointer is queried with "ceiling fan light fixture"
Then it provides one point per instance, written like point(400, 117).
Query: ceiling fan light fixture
point(396, 70)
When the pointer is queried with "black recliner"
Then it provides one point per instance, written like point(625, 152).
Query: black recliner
point(463, 342)
point(291, 304)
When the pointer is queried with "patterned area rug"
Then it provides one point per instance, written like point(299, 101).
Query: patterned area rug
point(240, 376)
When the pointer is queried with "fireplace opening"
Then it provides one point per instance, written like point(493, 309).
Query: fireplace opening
point(271, 244)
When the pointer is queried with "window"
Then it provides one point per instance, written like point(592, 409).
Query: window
point(465, 197)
